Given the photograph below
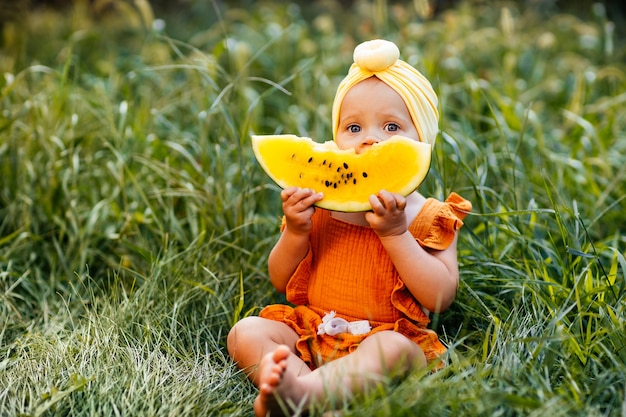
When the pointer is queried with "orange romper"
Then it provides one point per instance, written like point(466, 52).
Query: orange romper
point(348, 271)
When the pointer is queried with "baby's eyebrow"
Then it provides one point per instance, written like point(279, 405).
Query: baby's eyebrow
point(350, 119)
point(397, 118)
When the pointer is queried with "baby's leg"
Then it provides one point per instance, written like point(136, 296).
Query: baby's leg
point(264, 349)
point(380, 356)
point(281, 374)
point(279, 389)
point(252, 338)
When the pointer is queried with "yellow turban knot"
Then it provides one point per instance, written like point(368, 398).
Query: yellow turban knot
point(380, 58)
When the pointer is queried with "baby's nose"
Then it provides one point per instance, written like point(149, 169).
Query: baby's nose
point(369, 140)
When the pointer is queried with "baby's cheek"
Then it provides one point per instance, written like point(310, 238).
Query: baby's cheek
point(344, 144)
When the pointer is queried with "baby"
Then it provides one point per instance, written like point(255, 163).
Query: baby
point(361, 284)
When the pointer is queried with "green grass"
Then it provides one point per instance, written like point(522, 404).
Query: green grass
point(135, 223)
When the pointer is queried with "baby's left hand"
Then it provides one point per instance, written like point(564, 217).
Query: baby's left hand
point(387, 217)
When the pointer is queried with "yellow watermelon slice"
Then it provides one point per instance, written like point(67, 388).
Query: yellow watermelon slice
point(346, 178)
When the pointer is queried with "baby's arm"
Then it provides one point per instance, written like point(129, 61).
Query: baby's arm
point(432, 277)
point(293, 244)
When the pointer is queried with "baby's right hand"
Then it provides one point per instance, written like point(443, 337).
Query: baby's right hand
point(298, 208)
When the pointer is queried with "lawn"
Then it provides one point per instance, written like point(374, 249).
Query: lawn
point(135, 223)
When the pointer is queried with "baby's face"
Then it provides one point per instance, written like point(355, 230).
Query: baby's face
point(372, 112)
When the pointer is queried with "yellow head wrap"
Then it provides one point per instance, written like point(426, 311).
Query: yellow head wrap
point(380, 58)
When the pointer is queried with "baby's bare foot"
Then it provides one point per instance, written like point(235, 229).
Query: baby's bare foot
point(271, 374)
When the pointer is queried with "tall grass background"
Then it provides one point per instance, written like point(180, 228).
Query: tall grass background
point(135, 223)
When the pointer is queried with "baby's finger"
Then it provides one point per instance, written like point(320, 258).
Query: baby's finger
point(387, 199)
point(310, 199)
point(400, 202)
point(302, 193)
point(303, 198)
point(296, 194)
point(287, 193)
point(377, 204)
point(315, 197)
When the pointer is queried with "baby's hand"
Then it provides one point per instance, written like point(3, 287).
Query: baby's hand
point(387, 217)
point(298, 208)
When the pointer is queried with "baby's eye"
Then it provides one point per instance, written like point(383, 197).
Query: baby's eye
point(392, 127)
point(354, 128)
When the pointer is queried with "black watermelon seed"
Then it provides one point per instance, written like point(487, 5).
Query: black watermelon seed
point(345, 165)
point(327, 183)
point(310, 159)
point(365, 175)
point(354, 181)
